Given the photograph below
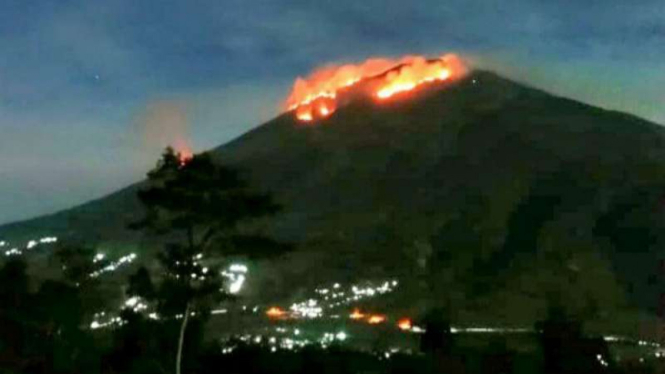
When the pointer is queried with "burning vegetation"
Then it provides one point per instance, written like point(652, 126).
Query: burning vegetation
point(318, 95)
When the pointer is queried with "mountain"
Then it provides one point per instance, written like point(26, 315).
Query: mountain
point(502, 196)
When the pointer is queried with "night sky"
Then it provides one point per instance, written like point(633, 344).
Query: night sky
point(79, 79)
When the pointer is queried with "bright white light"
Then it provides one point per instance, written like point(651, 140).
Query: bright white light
point(31, 244)
point(3, 243)
point(13, 252)
point(98, 257)
point(236, 285)
point(132, 301)
point(114, 265)
point(341, 336)
point(238, 268)
point(417, 329)
point(236, 276)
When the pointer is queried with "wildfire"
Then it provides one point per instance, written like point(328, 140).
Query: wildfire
point(357, 314)
point(182, 150)
point(372, 319)
point(318, 96)
point(405, 324)
point(375, 319)
point(184, 157)
point(275, 312)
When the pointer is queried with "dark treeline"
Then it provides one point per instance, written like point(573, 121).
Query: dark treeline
point(204, 213)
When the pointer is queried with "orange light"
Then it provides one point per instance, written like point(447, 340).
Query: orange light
point(275, 312)
point(356, 314)
point(389, 76)
point(375, 319)
point(404, 324)
point(184, 157)
point(412, 76)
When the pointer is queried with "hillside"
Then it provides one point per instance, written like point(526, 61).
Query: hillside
point(498, 195)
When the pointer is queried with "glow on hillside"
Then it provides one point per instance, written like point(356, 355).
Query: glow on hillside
point(317, 96)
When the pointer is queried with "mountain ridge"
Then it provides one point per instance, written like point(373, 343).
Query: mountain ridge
point(496, 187)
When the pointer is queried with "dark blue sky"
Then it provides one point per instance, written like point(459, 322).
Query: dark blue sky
point(78, 78)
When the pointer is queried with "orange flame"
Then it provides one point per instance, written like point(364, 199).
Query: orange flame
point(357, 314)
point(404, 324)
point(182, 150)
point(375, 319)
point(184, 157)
point(317, 96)
point(275, 312)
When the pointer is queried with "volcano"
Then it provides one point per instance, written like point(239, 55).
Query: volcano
point(498, 195)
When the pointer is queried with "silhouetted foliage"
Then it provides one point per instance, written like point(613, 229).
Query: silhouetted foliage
point(198, 205)
point(78, 264)
point(566, 349)
point(498, 358)
point(140, 284)
point(437, 339)
point(41, 332)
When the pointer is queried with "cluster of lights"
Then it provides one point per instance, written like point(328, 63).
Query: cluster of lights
point(236, 271)
point(13, 252)
point(136, 304)
point(110, 322)
point(337, 296)
point(332, 297)
point(29, 245)
point(601, 360)
point(113, 266)
point(647, 343)
point(286, 339)
point(307, 309)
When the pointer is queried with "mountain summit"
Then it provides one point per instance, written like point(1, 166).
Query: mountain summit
point(496, 194)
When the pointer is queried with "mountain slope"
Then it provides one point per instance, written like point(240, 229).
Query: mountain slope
point(483, 186)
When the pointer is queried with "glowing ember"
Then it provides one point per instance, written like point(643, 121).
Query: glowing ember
point(404, 324)
point(317, 96)
point(184, 157)
point(356, 314)
point(275, 312)
point(375, 319)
